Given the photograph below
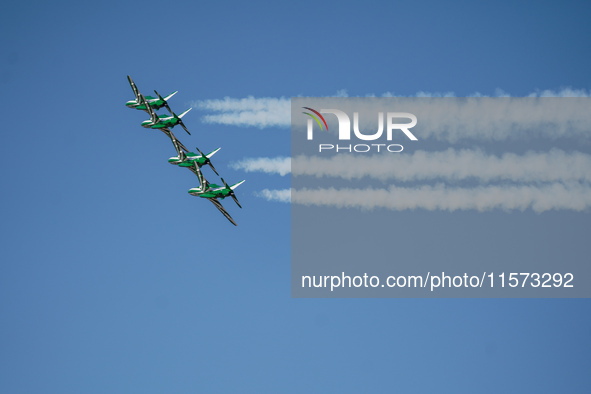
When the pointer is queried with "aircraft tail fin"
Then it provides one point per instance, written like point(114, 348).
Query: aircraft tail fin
point(234, 186)
point(212, 153)
point(231, 188)
point(170, 95)
point(184, 113)
point(206, 159)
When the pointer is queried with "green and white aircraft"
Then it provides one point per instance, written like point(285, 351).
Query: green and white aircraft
point(160, 122)
point(213, 192)
point(190, 159)
point(153, 102)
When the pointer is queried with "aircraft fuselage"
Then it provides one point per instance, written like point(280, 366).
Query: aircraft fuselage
point(188, 159)
point(154, 102)
point(214, 191)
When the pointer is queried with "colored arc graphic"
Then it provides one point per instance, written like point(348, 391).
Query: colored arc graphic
point(315, 118)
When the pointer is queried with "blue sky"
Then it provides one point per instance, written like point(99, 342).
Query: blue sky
point(114, 279)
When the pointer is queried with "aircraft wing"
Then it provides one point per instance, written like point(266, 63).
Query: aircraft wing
point(177, 144)
point(218, 205)
point(134, 88)
point(197, 171)
point(180, 145)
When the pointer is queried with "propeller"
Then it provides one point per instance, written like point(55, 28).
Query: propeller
point(231, 193)
point(207, 161)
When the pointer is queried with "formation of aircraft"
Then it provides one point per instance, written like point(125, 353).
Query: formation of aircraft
point(162, 121)
point(184, 158)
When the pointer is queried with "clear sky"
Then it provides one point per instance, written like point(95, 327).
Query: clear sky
point(114, 279)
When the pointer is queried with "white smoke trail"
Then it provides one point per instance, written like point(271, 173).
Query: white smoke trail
point(453, 165)
point(452, 119)
point(277, 165)
point(283, 195)
point(249, 111)
point(461, 119)
point(554, 196)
